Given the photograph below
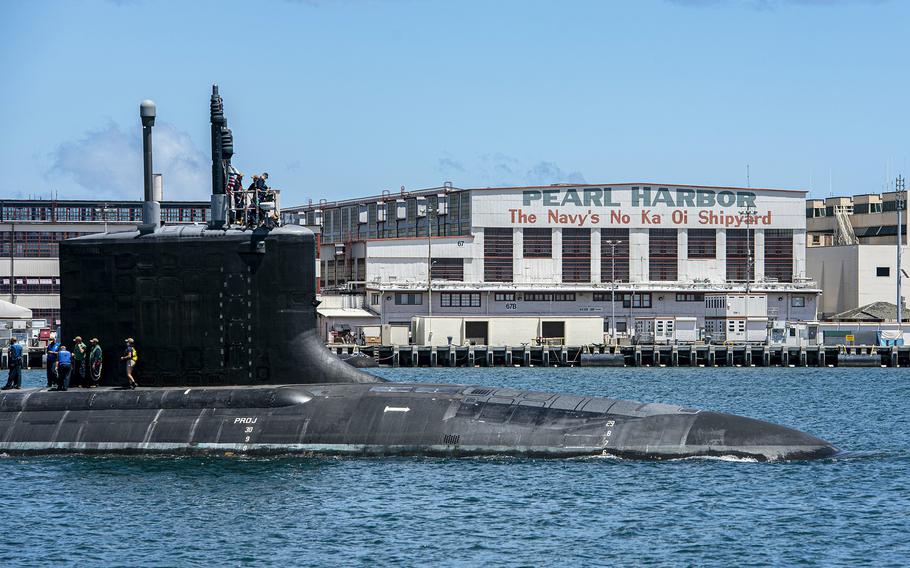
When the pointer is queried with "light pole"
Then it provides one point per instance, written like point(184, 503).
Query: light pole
point(899, 206)
point(104, 211)
point(429, 275)
point(747, 211)
point(612, 244)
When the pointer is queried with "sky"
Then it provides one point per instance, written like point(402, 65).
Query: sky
point(344, 98)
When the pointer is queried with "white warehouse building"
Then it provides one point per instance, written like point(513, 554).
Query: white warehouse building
point(642, 257)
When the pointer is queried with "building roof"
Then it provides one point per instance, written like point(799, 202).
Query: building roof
point(876, 311)
point(9, 310)
point(345, 313)
point(391, 195)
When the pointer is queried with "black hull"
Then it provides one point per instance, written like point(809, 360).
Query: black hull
point(382, 420)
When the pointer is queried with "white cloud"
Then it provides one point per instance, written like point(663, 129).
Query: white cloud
point(107, 163)
point(501, 170)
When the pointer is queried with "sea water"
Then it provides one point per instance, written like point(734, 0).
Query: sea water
point(852, 510)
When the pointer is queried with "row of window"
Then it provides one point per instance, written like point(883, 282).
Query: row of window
point(30, 285)
point(629, 300)
point(34, 244)
point(100, 214)
point(392, 219)
point(663, 252)
point(459, 300)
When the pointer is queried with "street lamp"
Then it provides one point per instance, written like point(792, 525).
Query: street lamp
point(104, 211)
point(899, 206)
point(748, 211)
point(429, 273)
point(612, 245)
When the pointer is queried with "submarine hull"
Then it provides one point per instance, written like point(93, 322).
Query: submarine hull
point(380, 420)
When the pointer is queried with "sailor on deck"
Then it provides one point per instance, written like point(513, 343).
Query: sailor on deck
point(51, 362)
point(15, 365)
point(64, 365)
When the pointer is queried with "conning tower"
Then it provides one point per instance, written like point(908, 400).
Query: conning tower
point(206, 305)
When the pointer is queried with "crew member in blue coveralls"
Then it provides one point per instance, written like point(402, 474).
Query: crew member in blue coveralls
point(52, 348)
point(64, 365)
point(15, 365)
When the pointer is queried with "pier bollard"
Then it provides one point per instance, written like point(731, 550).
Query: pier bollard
point(711, 356)
point(471, 356)
point(433, 356)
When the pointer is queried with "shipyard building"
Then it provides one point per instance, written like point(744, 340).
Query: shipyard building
point(852, 252)
point(573, 264)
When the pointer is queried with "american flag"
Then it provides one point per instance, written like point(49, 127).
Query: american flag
point(234, 179)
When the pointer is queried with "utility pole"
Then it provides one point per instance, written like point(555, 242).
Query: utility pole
point(899, 205)
point(612, 244)
point(748, 212)
point(429, 275)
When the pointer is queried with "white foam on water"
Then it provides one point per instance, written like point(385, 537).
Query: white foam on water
point(735, 459)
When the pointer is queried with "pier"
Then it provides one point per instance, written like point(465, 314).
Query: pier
point(634, 355)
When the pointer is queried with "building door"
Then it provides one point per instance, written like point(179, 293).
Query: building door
point(477, 332)
point(553, 332)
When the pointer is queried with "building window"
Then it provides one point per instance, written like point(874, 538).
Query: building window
point(408, 299)
point(51, 315)
point(447, 269)
point(663, 250)
point(504, 296)
point(576, 255)
point(31, 285)
point(614, 267)
point(538, 243)
point(374, 299)
point(702, 243)
point(798, 302)
point(739, 243)
point(779, 254)
point(497, 254)
point(548, 297)
point(34, 244)
point(459, 300)
point(606, 296)
point(690, 297)
point(883, 271)
point(636, 300)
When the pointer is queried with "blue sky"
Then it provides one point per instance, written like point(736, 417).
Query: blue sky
point(346, 98)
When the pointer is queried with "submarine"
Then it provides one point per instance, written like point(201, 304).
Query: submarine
point(224, 318)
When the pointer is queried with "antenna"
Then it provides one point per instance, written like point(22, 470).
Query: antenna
point(748, 177)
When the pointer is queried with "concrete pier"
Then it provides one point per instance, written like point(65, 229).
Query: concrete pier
point(634, 356)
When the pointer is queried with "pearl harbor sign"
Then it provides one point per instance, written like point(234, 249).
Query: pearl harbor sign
point(639, 206)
